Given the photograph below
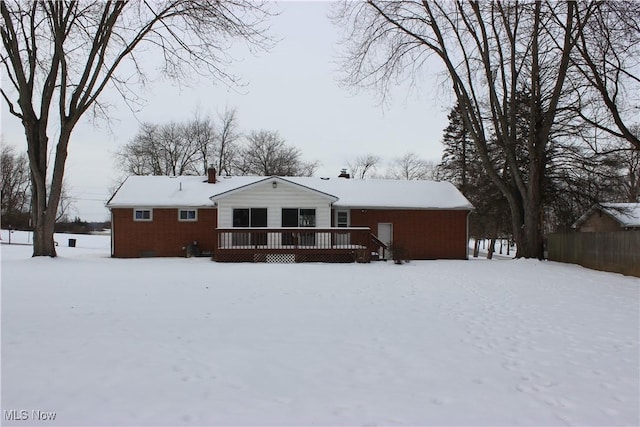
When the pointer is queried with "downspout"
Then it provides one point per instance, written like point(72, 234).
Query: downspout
point(112, 232)
point(466, 251)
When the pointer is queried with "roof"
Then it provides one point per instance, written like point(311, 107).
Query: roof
point(388, 193)
point(626, 214)
point(194, 191)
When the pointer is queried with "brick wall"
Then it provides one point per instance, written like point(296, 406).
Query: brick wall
point(164, 236)
point(424, 234)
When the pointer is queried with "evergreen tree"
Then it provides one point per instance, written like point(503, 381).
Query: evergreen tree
point(462, 166)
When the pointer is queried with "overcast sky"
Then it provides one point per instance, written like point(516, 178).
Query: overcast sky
point(291, 89)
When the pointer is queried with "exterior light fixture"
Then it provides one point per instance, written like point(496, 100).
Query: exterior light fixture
point(274, 184)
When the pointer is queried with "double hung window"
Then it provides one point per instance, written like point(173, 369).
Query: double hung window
point(142, 215)
point(188, 215)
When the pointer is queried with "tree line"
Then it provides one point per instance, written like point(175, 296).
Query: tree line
point(191, 147)
point(576, 178)
point(60, 57)
point(16, 191)
point(538, 85)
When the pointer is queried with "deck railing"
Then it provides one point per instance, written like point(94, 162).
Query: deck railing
point(295, 244)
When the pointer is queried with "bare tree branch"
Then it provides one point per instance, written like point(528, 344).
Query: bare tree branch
point(71, 52)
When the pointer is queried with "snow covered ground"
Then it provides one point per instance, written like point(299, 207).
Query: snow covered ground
point(101, 341)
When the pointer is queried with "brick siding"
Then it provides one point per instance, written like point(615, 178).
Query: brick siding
point(164, 236)
point(423, 234)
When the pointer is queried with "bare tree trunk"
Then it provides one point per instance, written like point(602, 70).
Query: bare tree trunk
point(67, 53)
point(45, 205)
point(492, 245)
point(476, 248)
point(494, 80)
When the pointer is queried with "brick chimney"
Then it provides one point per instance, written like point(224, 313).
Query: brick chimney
point(211, 175)
point(344, 174)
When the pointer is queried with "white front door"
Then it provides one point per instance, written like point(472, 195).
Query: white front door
point(385, 235)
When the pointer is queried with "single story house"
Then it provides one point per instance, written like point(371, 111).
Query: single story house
point(287, 219)
point(609, 217)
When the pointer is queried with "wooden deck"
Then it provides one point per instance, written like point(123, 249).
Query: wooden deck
point(352, 244)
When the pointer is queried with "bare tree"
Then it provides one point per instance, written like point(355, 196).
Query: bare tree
point(65, 54)
point(631, 175)
point(498, 57)
point(139, 156)
point(14, 185)
point(201, 133)
point(179, 154)
point(607, 58)
point(411, 167)
point(181, 148)
point(629, 160)
point(361, 165)
point(66, 204)
point(226, 138)
point(267, 154)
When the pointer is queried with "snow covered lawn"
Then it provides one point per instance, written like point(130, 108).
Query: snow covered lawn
point(103, 341)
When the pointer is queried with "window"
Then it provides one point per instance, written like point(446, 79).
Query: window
point(253, 217)
point(342, 221)
point(307, 217)
point(298, 218)
point(342, 218)
point(142, 215)
point(188, 215)
point(289, 217)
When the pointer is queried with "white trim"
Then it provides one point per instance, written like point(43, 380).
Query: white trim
point(142, 210)
point(113, 234)
point(194, 219)
point(387, 253)
point(273, 179)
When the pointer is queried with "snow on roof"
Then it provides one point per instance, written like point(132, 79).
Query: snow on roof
point(388, 193)
point(194, 191)
point(627, 214)
point(166, 191)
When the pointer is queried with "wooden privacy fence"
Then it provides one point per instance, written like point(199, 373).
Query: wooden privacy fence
point(617, 251)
